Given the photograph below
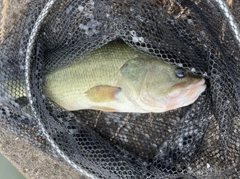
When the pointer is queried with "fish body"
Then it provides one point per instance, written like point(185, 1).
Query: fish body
point(117, 78)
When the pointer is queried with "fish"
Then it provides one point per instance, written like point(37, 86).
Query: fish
point(118, 78)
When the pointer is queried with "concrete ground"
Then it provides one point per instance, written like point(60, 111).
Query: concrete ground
point(7, 170)
point(31, 162)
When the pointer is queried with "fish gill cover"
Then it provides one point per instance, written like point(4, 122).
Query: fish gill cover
point(201, 140)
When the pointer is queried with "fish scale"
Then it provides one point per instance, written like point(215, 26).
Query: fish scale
point(117, 78)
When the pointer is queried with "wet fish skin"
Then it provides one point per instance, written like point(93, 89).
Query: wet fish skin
point(117, 78)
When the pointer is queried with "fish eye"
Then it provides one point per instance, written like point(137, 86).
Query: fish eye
point(180, 72)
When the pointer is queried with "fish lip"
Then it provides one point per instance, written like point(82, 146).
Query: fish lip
point(199, 83)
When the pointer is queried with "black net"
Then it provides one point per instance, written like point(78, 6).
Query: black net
point(201, 140)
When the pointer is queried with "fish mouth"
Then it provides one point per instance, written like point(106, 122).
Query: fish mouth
point(192, 92)
point(183, 87)
point(197, 83)
point(196, 88)
point(185, 96)
point(200, 88)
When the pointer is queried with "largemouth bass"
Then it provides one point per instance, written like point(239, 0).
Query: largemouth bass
point(117, 78)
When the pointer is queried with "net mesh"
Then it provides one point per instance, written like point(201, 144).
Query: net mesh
point(198, 141)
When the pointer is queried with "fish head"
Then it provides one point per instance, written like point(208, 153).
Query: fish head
point(182, 89)
point(156, 86)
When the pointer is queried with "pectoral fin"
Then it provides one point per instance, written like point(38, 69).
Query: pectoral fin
point(102, 93)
